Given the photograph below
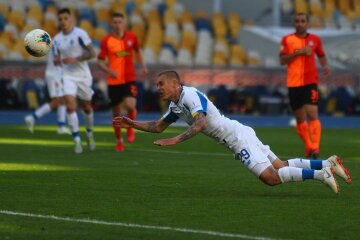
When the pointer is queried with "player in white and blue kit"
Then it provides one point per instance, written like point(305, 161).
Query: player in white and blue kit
point(192, 106)
point(54, 85)
point(74, 49)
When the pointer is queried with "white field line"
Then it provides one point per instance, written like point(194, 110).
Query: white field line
point(132, 225)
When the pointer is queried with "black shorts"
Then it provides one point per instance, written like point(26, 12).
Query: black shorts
point(117, 93)
point(300, 96)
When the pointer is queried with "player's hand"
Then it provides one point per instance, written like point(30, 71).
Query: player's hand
point(123, 122)
point(69, 60)
point(327, 70)
point(166, 142)
point(307, 50)
point(144, 72)
point(113, 74)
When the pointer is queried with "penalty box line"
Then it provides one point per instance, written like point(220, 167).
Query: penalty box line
point(132, 225)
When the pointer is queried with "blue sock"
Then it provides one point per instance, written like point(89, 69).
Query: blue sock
point(61, 124)
point(307, 174)
point(316, 164)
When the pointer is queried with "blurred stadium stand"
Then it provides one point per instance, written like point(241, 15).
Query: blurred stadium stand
point(228, 48)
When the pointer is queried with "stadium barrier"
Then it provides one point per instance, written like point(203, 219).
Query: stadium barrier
point(237, 90)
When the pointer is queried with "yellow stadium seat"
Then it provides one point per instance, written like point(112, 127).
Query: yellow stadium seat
point(186, 17)
point(301, 6)
point(201, 14)
point(234, 24)
point(50, 27)
point(219, 59)
point(102, 15)
point(170, 3)
point(99, 33)
point(316, 22)
point(90, 3)
point(344, 6)
point(153, 17)
point(88, 27)
point(316, 8)
point(238, 53)
point(17, 19)
point(4, 10)
point(169, 16)
point(6, 41)
point(140, 32)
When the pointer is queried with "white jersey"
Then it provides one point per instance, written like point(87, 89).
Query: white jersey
point(192, 102)
point(52, 70)
point(73, 45)
point(240, 139)
point(53, 76)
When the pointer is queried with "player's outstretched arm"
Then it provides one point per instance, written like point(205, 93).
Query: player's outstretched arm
point(194, 129)
point(146, 126)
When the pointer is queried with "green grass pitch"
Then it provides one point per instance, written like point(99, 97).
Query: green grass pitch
point(196, 185)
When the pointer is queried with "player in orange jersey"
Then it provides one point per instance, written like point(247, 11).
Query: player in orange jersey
point(298, 52)
point(118, 48)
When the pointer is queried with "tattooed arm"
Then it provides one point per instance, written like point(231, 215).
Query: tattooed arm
point(150, 126)
point(193, 130)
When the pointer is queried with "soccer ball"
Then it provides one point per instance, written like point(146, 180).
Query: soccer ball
point(37, 42)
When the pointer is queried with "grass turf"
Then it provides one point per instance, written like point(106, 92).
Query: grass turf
point(194, 185)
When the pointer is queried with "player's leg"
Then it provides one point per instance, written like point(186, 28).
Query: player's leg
point(297, 102)
point(73, 121)
point(258, 158)
point(314, 129)
point(85, 93)
point(61, 117)
point(302, 129)
point(311, 108)
point(333, 162)
point(116, 93)
point(40, 112)
point(89, 124)
point(70, 92)
point(272, 177)
point(130, 105)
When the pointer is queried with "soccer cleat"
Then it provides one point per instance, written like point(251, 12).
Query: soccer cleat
point(130, 135)
point(330, 180)
point(91, 142)
point(30, 122)
point(120, 146)
point(78, 147)
point(63, 130)
point(339, 168)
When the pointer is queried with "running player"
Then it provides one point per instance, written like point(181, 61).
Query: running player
point(74, 49)
point(118, 48)
point(54, 85)
point(192, 106)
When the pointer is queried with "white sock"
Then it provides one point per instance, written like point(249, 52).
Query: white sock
point(299, 163)
point(290, 174)
point(42, 110)
point(61, 115)
point(308, 164)
point(319, 175)
point(73, 122)
point(89, 121)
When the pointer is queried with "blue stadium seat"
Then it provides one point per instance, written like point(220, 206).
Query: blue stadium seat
point(169, 46)
point(202, 23)
point(87, 14)
point(2, 22)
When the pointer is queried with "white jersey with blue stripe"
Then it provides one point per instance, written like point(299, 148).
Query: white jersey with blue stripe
point(51, 69)
point(192, 102)
point(73, 45)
